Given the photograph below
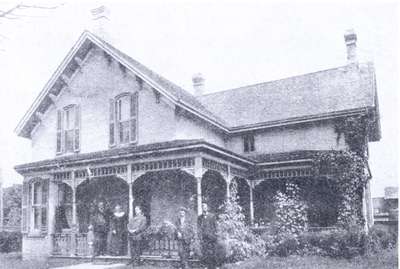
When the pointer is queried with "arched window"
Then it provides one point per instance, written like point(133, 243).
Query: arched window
point(123, 119)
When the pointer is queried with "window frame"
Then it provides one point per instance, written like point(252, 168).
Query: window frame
point(74, 117)
point(116, 121)
point(248, 143)
point(34, 222)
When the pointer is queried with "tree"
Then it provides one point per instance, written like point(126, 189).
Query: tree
point(12, 205)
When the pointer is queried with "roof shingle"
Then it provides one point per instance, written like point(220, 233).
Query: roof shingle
point(339, 89)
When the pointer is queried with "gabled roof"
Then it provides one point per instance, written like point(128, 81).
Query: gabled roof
point(330, 93)
point(87, 40)
point(344, 89)
point(182, 96)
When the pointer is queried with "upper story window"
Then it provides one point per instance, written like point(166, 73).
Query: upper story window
point(123, 119)
point(68, 129)
point(248, 143)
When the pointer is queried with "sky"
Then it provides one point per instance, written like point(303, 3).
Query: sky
point(232, 44)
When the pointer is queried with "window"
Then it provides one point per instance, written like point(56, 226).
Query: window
point(34, 206)
point(68, 129)
point(248, 143)
point(123, 119)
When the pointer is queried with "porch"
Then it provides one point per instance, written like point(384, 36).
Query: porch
point(161, 179)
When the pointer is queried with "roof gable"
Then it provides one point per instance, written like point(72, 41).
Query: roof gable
point(72, 61)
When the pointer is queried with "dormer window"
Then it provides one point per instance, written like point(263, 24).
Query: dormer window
point(68, 129)
point(248, 143)
point(123, 119)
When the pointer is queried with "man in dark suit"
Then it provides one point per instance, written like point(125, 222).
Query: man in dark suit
point(207, 224)
point(136, 227)
point(184, 236)
point(100, 221)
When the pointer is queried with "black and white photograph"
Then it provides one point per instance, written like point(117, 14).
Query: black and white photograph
point(199, 134)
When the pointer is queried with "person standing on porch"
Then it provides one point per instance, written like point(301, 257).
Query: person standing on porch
point(100, 222)
point(118, 232)
point(207, 224)
point(184, 236)
point(136, 227)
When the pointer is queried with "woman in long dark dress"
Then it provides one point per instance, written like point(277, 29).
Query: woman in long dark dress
point(118, 232)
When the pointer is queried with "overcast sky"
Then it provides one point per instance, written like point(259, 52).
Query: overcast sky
point(231, 44)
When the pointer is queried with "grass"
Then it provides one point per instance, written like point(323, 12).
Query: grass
point(14, 261)
point(387, 259)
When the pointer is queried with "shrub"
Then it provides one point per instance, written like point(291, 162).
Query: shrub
point(238, 240)
point(291, 212)
point(10, 241)
point(379, 239)
point(334, 243)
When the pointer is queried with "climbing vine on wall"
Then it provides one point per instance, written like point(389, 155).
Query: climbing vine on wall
point(348, 170)
point(354, 129)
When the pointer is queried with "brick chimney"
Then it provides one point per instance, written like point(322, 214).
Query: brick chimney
point(100, 19)
point(350, 38)
point(198, 84)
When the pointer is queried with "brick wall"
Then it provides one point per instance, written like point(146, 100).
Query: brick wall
point(91, 88)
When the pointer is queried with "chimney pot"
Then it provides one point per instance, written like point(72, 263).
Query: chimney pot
point(198, 84)
point(350, 39)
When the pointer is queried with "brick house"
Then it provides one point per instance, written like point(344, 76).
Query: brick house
point(107, 127)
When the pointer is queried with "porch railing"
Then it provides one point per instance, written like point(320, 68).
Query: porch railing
point(164, 247)
point(64, 245)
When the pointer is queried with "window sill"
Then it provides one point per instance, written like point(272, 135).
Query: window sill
point(67, 153)
point(121, 145)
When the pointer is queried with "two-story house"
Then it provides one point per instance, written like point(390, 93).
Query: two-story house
point(107, 128)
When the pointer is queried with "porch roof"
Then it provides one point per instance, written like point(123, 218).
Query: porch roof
point(285, 156)
point(135, 152)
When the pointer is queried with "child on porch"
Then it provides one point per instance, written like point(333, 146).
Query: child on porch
point(90, 240)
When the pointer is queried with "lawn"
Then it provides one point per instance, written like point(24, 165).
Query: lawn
point(384, 260)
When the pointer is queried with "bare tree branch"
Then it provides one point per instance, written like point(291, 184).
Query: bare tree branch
point(6, 14)
point(22, 6)
point(10, 11)
point(13, 14)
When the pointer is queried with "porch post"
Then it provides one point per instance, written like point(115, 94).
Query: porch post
point(199, 198)
point(130, 215)
point(130, 183)
point(364, 209)
point(251, 203)
point(228, 180)
point(74, 218)
point(198, 173)
point(53, 189)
